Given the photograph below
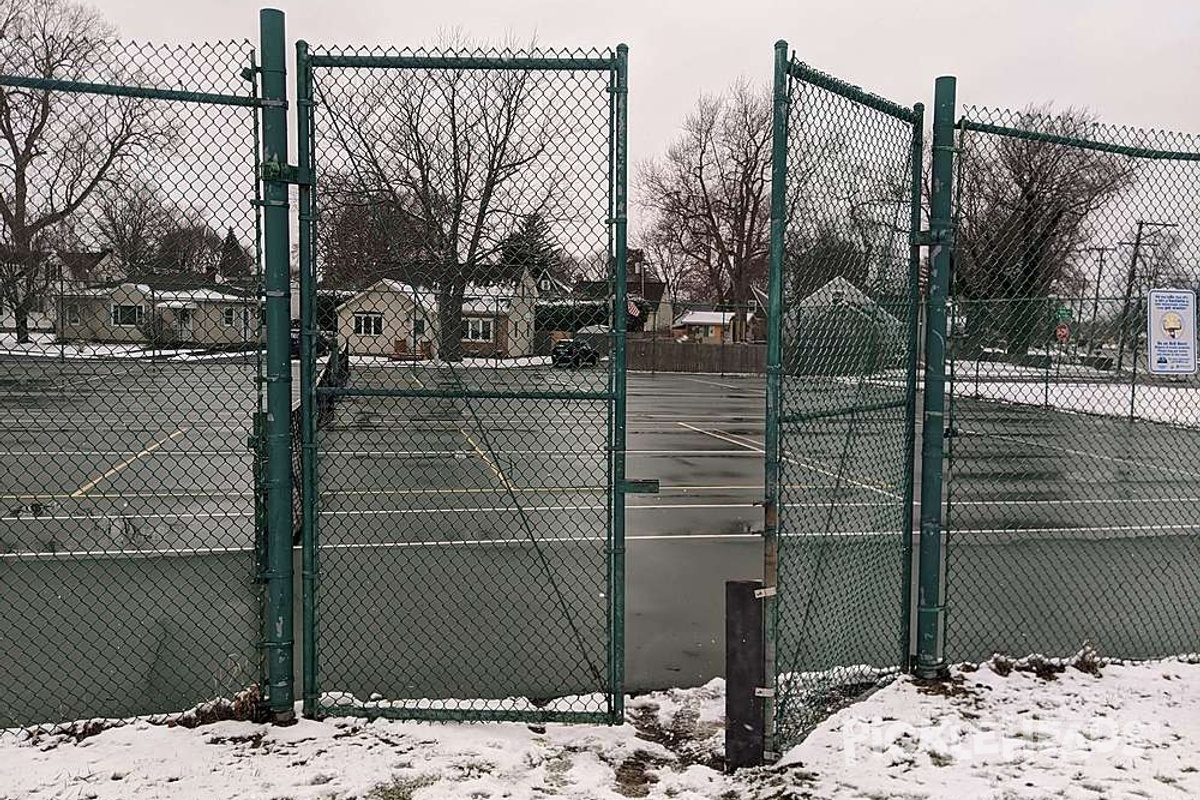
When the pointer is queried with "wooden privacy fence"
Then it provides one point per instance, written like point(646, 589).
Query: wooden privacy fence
point(657, 355)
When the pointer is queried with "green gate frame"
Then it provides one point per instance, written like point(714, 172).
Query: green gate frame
point(788, 73)
point(313, 395)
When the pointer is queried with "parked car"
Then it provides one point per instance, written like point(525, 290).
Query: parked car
point(322, 342)
point(573, 353)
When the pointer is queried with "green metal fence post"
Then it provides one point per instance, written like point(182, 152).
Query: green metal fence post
point(914, 344)
point(620, 324)
point(779, 135)
point(308, 423)
point(930, 599)
point(278, 634)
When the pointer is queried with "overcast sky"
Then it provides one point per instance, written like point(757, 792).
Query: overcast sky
point(1133, 62)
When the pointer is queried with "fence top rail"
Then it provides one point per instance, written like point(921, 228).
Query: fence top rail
point(1133, 151)
point(535, 60)
point(120, 90)
point(815, 77)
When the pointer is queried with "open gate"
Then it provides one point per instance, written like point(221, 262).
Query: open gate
point(841, 407)
point(462, 494)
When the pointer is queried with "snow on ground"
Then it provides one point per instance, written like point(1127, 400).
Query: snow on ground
point(1002, 730)
point(45, 346)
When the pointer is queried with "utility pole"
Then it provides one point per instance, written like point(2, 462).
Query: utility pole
point(1100, 251)
point(1130, 278)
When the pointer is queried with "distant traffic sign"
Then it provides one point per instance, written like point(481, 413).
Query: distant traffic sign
point(1062, 332)
point(1063, 314)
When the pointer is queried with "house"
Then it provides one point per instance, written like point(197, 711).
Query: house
point(176, 309)
point(61, 270)
point(399, 320)
point(839, 330)
point(645, 292)
point(708, 327)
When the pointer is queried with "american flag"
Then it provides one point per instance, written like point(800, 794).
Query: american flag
point(634, 311)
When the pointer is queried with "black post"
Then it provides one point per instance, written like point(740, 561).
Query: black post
point(745, 675)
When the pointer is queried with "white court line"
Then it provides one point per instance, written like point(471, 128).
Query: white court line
point(87, 487)
point(1174, 470)
point(597, 540)
point(136, 455)
point(398, 492)
point(175, 515)
point(377, 512)
point(1014, 534)
point(756, 392)
point(793, 460)
point(392, 512)
point(722, 436)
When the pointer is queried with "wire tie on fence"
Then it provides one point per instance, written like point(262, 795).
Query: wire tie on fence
point(264, 103)
point(285, 293)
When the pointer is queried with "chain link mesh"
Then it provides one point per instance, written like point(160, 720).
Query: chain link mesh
point(465, 473)
point(128, 382)
point(846, 400)
point(1071, 501)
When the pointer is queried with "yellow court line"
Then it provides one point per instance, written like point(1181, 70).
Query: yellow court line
point(150, 448)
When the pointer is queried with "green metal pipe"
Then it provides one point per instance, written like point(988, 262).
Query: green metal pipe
point(144, 92)
point(930, 598)
point(620, 323)
point(1083, 144)
point(779, 149)
point(308, 421)
point(814, 77)
point(914, 340)
point(277, 641)
point(550, 64)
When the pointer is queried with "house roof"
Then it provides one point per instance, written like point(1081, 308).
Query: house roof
point(82, 265)
point(477, 300)
point(708, 318)
point(840, 291)
point(202, 294)
point(649, 289)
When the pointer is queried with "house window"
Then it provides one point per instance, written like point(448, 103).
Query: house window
point(229, 317)
point(74, 317)
point(418, 328)
point(368, 323)
point(478, 330)
point(126, 316)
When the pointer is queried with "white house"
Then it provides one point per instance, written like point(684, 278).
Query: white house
point(398, 320)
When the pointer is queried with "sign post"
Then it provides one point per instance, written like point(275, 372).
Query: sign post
point(1171, 332)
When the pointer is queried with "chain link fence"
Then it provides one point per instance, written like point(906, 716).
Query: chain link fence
point(845, 400)
point(129, 366)
point(1070, 498)
point(466, 504)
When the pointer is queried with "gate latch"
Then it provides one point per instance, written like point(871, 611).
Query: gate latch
point(640, 486)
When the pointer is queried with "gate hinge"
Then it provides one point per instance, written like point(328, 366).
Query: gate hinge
point(285, 173)
point(766, 591)
point(931, 238)
point(640, 486)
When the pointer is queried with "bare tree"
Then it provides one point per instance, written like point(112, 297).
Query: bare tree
point(1025, 209)
point(450, 152)
point(711, 194)
point(56, 150)
point(132, 222)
